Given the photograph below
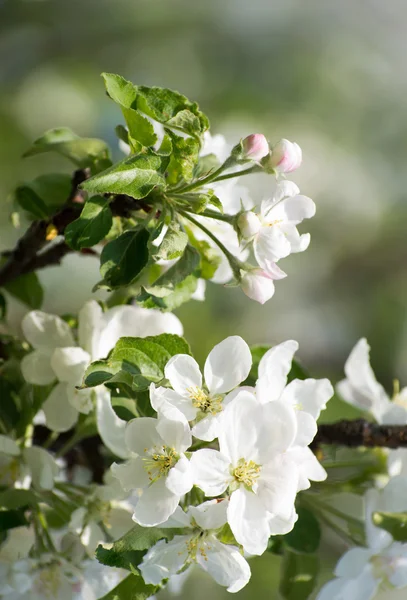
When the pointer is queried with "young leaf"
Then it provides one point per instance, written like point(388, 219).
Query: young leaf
point(181, 293)
point(31, 202)
point(15, 498)
point(184, 157)
point(168, 281)
point(135, 176)
point(298, 576)
point(27, 289)
point(173, 244)
point(132, 587)
point(123, 259)
point(44, 195)
point(81, 151)
point(394, 523)
point(306, 535)
point(92, 225)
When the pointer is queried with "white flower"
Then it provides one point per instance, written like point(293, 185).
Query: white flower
point(56, 357)
point(223, 562)
point(253, 464)
point(279, 216)
point(160, 471)
point(227, 365)
point(286, 156)
point(362, 571)
point(258, 284)
point(21, 467)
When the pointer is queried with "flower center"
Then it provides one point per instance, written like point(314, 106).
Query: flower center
point(197, 545)
point(204, 402)
point(246, 473)
point(275, 222)
point(158, 461)
point(48, 581)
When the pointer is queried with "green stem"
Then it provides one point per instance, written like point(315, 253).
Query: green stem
point(253, 169)
point(53, 435)
point(200, 182)
point(212, 214)
point(43, 522)
point(69, 444)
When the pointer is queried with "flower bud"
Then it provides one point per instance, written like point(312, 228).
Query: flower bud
point(258, 285)
point(285, 157)
point(255, 146)
point(248, 224)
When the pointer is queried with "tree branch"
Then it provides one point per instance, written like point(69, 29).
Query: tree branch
point(361, 433)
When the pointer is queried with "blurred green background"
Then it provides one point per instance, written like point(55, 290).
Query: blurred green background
point(329, 75)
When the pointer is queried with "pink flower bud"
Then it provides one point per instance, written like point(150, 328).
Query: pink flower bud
point(255, 146)
point(259, 285)
point(286, 156)
point(249, 224)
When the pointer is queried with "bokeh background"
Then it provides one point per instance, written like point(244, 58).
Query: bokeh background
point(329, 75)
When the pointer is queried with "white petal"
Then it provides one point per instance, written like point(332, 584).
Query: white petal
point(226, 565)
point(277, 429)
point(333, 590)
point(297, 208)
point(180, 478)
point(394, 415)
point(279, 526)
point(156, 504)
point(352, 563)
point(211, 471)
point(59, 413)
point(227, 365)
point(298, 243)
point(110, 427)
point(158, 395)
point(238, 430)
point(211, 514)
point(91, 537)
point(69, 364)
point(9, 446)
point(277, 486)
point(42, 465)
point(284, 189)
point(90, 325)
point(207, 429)
point(248, 521)
point(141, 434)
point(45, 331)
point(18, 544)
point(376, 538)
point(164, 559)
point(183, 373)
point(178, 519)
point(131, 474)
point(81, 400)
point(258, 285)
point(308, 465)
point(270, 245)
point(309, 395)
point(36, 368)
point(273, 370)
point(174, 428)
point(306, 428)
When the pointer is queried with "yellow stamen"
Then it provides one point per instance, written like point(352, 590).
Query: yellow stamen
point(159, 461)
point(247, 473)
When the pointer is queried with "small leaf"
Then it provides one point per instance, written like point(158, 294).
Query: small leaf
point(132, 587)
point(186, 121)
point(44, 195)
point(298, 576)
point(173, 243)
point(168, 281)
point(123, 259)
point(210, 257)
point(135, 176)
point(92, 225)
point(184, 157)
point(27, 289)
point(181, 293)
point(306, 535)
point(15, 498)
point(31, 202)
point(394, 523)
point(81, 151)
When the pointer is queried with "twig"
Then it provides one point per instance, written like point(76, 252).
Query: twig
point(360, 433)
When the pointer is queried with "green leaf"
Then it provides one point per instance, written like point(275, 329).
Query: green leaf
point(181, 293)
point(27, 289)
point(132, 588)
point(15, 498)
point(210, 258)
point(12, 518)
point(185, 120)
point(184, 157)
point(138, 357)
point(3, 307)
point(123, 259)
point(135, 176)
point(91, 226)
point(173, 243)
point(31, 202)
point(44, 195)
point(394, 523)
point(169, 280)
point(306, 535)
point(206, 165)
point(81, 151)
point(298, 576)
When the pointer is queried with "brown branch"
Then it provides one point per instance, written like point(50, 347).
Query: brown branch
point(360, 433)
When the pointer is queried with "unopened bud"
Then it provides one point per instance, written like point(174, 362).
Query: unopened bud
point(255, 146)
point(249, 224)
point(286, 156)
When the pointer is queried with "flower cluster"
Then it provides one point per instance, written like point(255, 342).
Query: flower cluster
point(255, 461)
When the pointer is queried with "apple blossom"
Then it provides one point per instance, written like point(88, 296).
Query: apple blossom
point(258, 284)
point(252, 463)
point(22, 467)
point(159, 469)
point(285, 156)
point(227, 365)
point(223, 562)
point(255, 146)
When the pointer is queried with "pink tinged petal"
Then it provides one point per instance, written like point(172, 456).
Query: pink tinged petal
point(225, 564)
point(132, 474)
point(211, 471)
point(207, 429)
point(309, 395)
point(239, 427)
point(257, 285)
point(60, 415)
point(164, 559)
point(273, 371)
point(110, 427)
point(286, 156)
point(141, 435)
point(308, 466)
point(46, 332)
point(306, 429)
point(211, 514)
point(352, 563)
point(248, 521)
point(173, 428)
point(277, 486)
point(270, 245)
point(69, 364)
point(180, 478)
point(160, 395)
point(183, 373)
point(36, 368)
point(155, 505)
point(255, 146)
point(227, 365)
point(43, 467)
